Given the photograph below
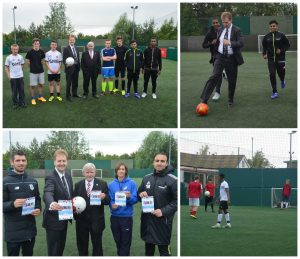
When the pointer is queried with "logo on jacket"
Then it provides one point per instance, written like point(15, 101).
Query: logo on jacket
point(148, 185)
point(17, 188)
point(31, 187)
point(125, 188)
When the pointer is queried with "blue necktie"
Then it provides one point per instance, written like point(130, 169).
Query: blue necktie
point(225, 48)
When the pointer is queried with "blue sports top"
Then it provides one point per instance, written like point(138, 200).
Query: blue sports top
point(108, 53)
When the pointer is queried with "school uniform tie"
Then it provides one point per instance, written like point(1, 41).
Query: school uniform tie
point(63, 179)
point(88, 190)
point(225, 48)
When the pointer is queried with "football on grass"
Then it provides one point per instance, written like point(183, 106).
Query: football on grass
point(202, 109)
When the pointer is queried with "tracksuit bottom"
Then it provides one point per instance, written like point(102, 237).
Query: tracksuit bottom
point(121, 228)
point(147, 74)
point(13, 249)
point(273, 66)
point(132, 76)
point(164, 250)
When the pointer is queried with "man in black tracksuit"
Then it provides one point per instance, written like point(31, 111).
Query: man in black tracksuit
point(19, 231)
point(156, 227)
point(210, 42)
point(120, 64)
point(134, 61)
point(152, 66)
point(275, 44)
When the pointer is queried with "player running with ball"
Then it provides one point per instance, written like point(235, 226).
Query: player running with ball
point(224, 201)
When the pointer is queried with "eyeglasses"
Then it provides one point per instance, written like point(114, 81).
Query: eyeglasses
point(162, 161)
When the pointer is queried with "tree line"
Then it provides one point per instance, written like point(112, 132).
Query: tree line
point(57, 25)
point(195, 17)
point(75, 143)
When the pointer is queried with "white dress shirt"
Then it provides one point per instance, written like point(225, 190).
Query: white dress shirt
point(220, 49)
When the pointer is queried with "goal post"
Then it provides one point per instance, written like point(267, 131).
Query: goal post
point(291, 37)
point(78, 173)
point(276, 197)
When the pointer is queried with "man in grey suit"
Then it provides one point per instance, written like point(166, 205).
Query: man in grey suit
point(227, 56)
point(58, 186)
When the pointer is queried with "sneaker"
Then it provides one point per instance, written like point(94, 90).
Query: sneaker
point(274, 95)
point(193, 216)
point(144, 95)
point(42, 99)
point(154, 96)
point(33, 102)
point(116, 90)
point(136, 95)
point(59, 98)
point(123, 92)
point(216, 96)
point(51, 98)
point(228, 225)
point(103, 94)
point(111, 92)
point(127, 95)
point(218, 225)
point(283, 84)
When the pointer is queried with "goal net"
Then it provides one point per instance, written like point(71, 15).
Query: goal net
point(78, 173)
point(291, 37)
point(276, 197)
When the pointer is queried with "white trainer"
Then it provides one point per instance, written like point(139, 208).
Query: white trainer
point(144, 95)
point(154, 96)
point(228, 225)
point(218, 225)
point(216, 96)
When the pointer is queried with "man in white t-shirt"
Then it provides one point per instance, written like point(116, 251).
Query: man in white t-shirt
point(224, 201)
point(14, 70)
point(53, 61)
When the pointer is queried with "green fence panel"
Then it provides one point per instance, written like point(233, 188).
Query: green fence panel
point(6, 50)
point(295, 25)
point(172, 54)
point(243, 22)
point(45, 42)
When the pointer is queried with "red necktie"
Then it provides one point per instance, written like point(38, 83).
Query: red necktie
point(88, 190)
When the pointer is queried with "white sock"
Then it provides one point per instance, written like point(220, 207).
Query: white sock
point(281, 204)
point(220, 216)
point(227, 217)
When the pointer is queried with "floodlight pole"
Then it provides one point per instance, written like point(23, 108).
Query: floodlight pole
point(15, 34)
point(291, 133)
point(133, 9)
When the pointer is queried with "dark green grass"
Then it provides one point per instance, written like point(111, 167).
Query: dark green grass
point(253, 107)
point(109, 247)
point(256, 231)
point(107, 112)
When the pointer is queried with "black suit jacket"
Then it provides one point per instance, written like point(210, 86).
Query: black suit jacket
point(93, 215)
point(68, 53)
point(54, 191)
point(89, 65)
point(237, 42)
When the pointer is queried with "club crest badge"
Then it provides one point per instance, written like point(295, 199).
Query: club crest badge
point(31, 187)
point(148, 185)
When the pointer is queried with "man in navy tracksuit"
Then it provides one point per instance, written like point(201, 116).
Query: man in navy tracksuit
point(275, 44)
point(152, 66)
point(19, 230)
point(121, 216)
point(134, 61)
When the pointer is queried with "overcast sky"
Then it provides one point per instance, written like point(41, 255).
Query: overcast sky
point(88, 17)
point(275, 143)
point(109, 142)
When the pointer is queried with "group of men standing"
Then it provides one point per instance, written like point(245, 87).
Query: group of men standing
point(112, 63)
point(22, 203)
point(225, 45)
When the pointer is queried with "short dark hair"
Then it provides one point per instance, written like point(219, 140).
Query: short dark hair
point(222, 175)
point(54, 41)
point(196, 177)
point(162, 153)
point(119, 38)
point(215, 18)
point(118, 167)
point(16, 153)
point(132, 41)
point(273, 21)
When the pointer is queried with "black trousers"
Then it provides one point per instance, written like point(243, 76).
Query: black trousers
point(132, 76)
point(121, 228)
point(17, 88)
point(147, 74)
point(72, 82)
point(209, 200)
point(274, 66)
point(83, 230)
point(231, 68)
point(56, 240)
point(87, 77)
point(13, 249)
point(219, 83)
point(164, 250)
point(120, 70)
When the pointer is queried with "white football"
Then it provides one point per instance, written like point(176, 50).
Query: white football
point(79, 204)
point(70, 61)
point(207, 193)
